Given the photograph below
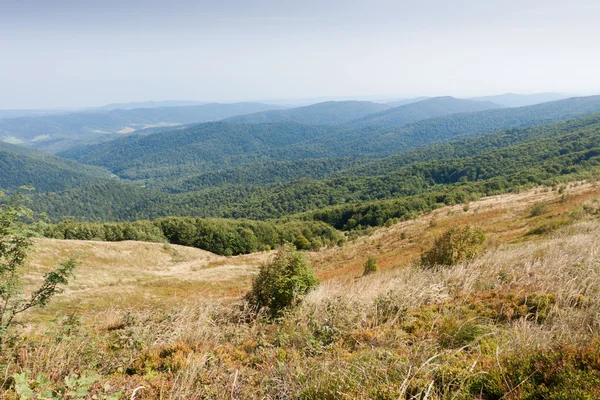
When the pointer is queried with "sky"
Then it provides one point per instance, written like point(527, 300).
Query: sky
point(78, 53)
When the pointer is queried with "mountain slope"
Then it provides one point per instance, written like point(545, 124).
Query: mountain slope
point(451, 127)
point(413, 112)
point(263, 173)
point(326, 113)
point(544, 155)
point(25, 167)
point(205, 146)
point(216, 146)
point(516, 295)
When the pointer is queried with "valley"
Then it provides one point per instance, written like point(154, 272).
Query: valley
point(288, 254)
point(299, 200)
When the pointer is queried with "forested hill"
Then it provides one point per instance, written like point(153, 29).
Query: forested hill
point(326, 113)
point(216, 146)
point(504, 162)
point(44, 131)
point(357, 113)
point(413, 112)
point(440, 129)
point(205, 146)
point(20, 166)
point(319, 169)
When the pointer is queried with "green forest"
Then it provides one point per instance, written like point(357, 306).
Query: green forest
point(234, 188)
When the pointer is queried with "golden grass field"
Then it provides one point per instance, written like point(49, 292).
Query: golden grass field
point(168, 317)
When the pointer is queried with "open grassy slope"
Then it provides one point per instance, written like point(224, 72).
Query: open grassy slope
point(108, 267)
point(519, 321)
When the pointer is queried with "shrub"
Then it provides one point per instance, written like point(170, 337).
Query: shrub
point(370, 266)
point(538, 209)
point(454, 246)
point(548, 227)
point(282, 283)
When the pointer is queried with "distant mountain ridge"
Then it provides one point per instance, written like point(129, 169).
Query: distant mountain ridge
point(66, 130)
point(506, 161)
point(326, 113)
point(148, 104)
point(207, 147)
point(403, 102)
point(521, 100)
point(421, 110)
point(361, 113)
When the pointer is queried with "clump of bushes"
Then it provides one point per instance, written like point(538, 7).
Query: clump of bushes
point(454, 246)
point(282, 283)
point(220, 236)
point(370, 266)
point(538, 209)
point(548, 227)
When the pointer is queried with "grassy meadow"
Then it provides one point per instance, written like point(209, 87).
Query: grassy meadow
point(157, 321)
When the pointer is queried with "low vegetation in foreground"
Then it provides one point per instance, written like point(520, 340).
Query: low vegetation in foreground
point(396, 314)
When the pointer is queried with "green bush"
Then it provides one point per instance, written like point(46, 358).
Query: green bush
point(370, 266)
point(454, 246)
point(282, 283)
point(221, 236)
point(548, 227)
point(538, 209)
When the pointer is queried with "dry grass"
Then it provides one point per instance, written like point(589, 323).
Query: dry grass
point(166, 318)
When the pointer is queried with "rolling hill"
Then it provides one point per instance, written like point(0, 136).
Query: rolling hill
point(520, 314)
point(484, 165)
point(417, 111)
point(384, 142)
point(216, 146)
point(26, 167)
point(521, 100)
point(326, 113)
point(402, 102)
point(203, 146)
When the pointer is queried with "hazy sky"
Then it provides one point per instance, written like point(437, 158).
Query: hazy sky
point(59, 53)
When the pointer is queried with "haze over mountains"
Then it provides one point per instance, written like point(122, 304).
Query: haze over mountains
point(149, 104)
point(326, 113)
point(297, 158)
point(520, 100)
point(317, 199)
point(60, 131)
point(210, 146)
point(417, 111)
point(366, 113)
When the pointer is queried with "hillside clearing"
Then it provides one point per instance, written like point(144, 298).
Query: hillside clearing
point(148, 275)
point(520, 320)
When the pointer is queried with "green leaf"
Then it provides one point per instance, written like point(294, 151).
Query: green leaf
point(22, 386)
